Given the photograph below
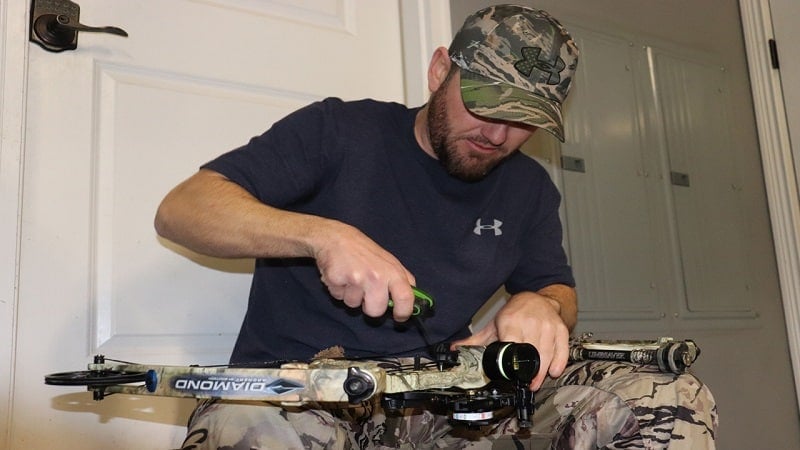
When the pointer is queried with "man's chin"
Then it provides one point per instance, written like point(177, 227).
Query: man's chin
point(466, 166)
point(470, 174)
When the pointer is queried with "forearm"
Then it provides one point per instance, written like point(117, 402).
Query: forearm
point(565, 300)
point(211, 215)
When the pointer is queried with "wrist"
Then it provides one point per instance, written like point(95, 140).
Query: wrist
point(317, 232)
point(553, 302)
point(309, 235)
point(564, 301)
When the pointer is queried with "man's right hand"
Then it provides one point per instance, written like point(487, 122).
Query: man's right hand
point(359, 272)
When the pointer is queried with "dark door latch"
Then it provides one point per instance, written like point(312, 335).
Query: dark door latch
point(55, 25)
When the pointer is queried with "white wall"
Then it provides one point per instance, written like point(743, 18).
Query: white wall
point(736, 361)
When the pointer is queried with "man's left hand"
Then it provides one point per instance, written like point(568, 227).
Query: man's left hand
point(541, 320)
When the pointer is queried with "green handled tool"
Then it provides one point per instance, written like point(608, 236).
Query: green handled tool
point(423, 302)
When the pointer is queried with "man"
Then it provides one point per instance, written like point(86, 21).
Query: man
point(347, 205)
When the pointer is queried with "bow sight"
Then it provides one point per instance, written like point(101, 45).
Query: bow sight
point(509, 366)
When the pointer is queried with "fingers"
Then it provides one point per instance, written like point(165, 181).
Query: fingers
point(403, 300)
point(553, 350)
point(560, 354)
point(484, 336)
point(373, 297)
point(472, 340)
point(531, 318)
point(353, 295)
point(544, 362)
point(363, 275)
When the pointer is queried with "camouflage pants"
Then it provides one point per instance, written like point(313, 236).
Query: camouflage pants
point(596, 404)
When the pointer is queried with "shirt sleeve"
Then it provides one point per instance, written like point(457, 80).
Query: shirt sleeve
point(543, 261)
point(289, 162)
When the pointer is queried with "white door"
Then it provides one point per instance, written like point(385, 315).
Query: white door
point(111, 127)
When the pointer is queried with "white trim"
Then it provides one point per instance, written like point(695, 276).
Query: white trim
point(778, 165)
point(425, 26)
point(13, 76)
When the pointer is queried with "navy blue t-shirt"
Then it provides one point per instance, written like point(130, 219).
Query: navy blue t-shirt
point(359, 162)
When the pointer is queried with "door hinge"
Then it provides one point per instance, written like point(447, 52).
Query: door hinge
point(773, 54)
point(573, 164)
point(679, 178)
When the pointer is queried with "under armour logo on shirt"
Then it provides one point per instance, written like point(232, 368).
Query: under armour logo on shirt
point(495, 227)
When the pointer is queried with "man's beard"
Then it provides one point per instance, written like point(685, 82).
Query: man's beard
point(463, 166)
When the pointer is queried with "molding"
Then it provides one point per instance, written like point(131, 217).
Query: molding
point(338, 15)
point(778, 166)
point(13, 76)
point(425, 25)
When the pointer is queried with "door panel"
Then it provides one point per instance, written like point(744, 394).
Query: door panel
point(112, 126)
point(714, 265)
point(613, 243)
point(133, 140)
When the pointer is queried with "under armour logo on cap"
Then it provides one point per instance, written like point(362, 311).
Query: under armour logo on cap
point(531, 59)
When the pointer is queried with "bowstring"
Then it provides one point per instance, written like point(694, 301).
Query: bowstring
point(387, 359)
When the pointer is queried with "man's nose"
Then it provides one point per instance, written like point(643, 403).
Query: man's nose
point(495, 132)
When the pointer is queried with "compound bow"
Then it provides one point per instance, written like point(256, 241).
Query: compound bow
point(470, 383)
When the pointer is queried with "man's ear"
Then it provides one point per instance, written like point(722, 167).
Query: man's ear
point(438, 68)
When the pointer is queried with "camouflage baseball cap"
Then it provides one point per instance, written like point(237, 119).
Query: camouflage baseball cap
point(517, 64)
